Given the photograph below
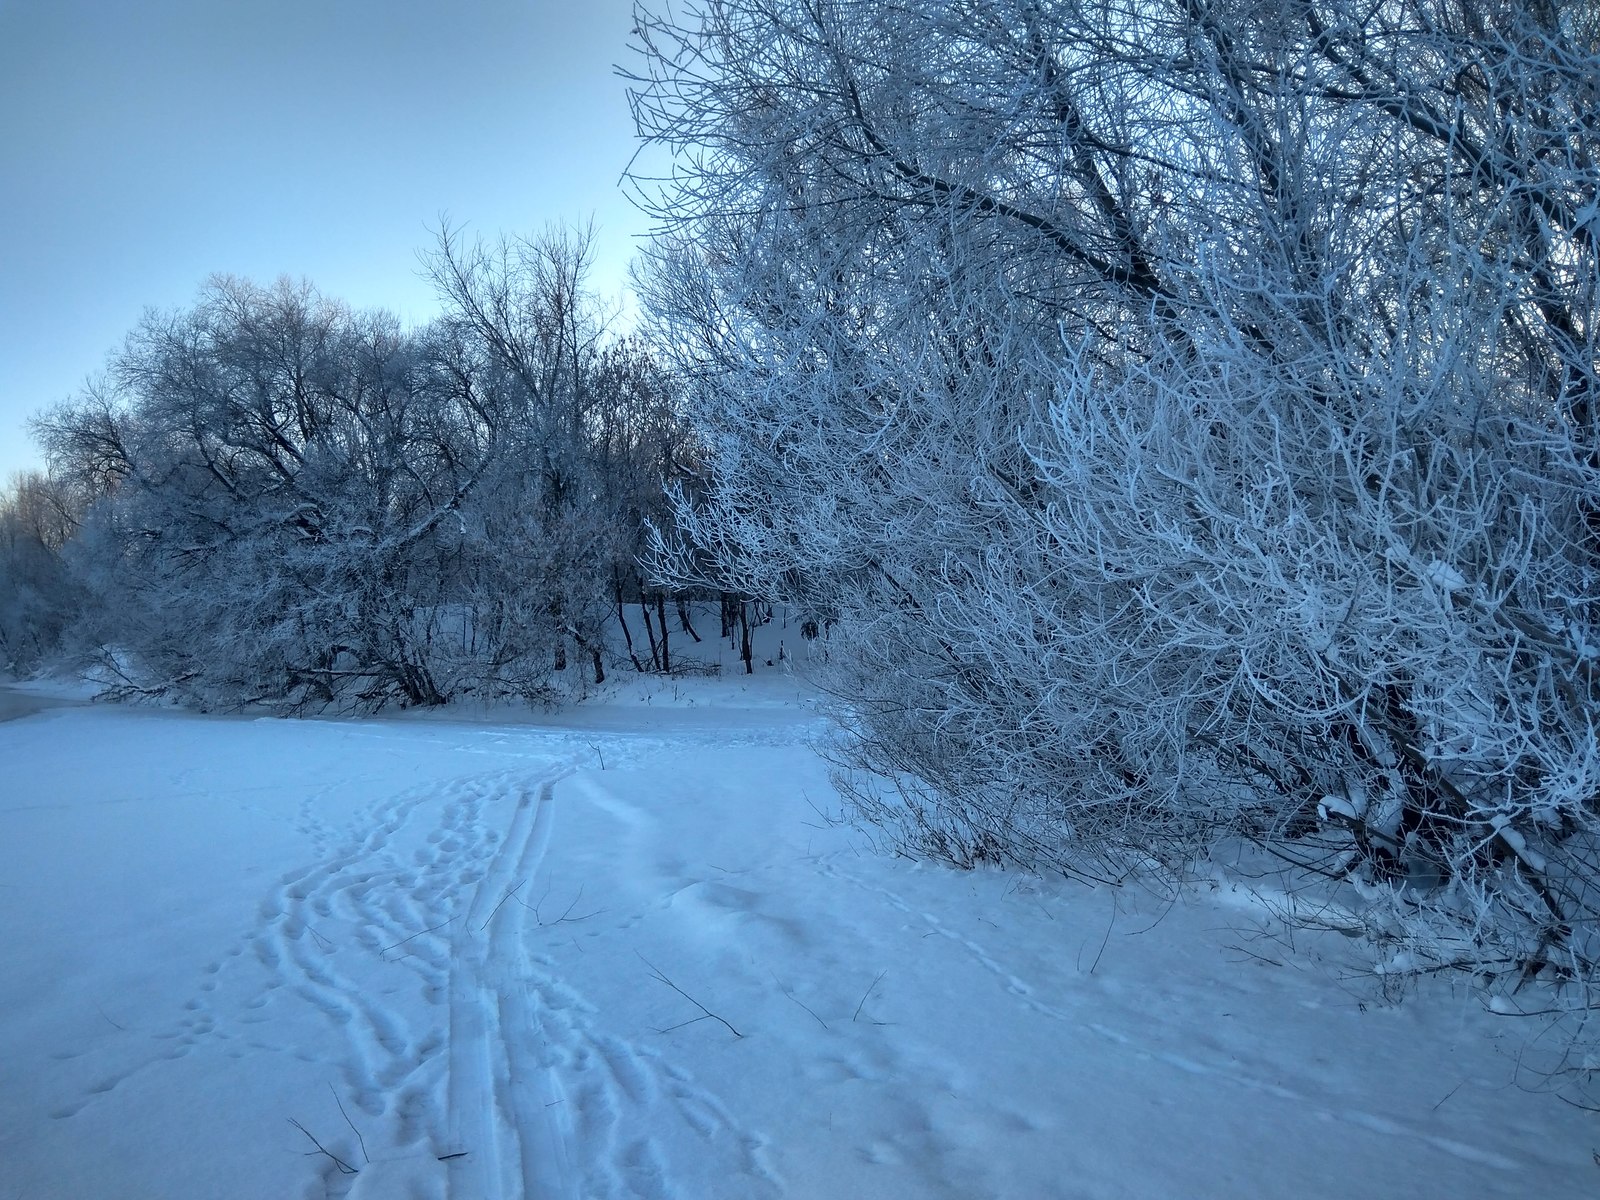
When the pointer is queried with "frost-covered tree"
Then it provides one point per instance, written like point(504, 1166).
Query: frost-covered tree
point(305, 505)
point(1184, 409)
point(280, 470)
point(38, 599)
point(603, 426)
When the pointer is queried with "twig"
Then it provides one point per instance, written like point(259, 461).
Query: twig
point(499, 906)
point(566, 916)
point(828, 822)
point(103, 1013)
point(417, 934)
point(796, 999)
point(1447, 1096)
point(1260, 958)
point(867, 993)
point(344, 1167)
point(663, 979)
point(1107, 938)
point(360, 1141)
point(680, 1024)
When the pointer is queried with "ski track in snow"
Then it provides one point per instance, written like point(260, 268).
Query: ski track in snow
point(507, 1118)
point(470, 1070)
point(513, 1088)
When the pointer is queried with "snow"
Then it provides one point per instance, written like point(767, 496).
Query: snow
point(1518, 844)
point(1330, 806)
point(477, 958)
point(1444, 578)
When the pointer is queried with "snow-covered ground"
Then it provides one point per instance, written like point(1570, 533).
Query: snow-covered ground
point(623, 954)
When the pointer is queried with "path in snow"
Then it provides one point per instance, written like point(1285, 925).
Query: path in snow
point(488, 977)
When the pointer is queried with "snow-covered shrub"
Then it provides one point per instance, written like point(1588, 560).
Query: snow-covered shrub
point(1185, 412)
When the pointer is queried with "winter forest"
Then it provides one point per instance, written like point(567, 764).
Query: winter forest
point(1176, 419)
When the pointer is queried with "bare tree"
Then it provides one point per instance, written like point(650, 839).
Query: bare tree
point(604, 422)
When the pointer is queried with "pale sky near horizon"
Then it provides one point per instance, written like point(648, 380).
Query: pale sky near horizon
point(145, 146)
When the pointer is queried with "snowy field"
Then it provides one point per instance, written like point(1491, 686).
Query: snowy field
point(475, 959)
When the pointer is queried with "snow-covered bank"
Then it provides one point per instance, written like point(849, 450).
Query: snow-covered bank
point(622, 954)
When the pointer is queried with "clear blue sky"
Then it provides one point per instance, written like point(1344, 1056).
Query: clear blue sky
point(145, 145)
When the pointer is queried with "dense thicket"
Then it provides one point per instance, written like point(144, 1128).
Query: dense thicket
point(39, 600)
point(303, 505)
point(1184, 410)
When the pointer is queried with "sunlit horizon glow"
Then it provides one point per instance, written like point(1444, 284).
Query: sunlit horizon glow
point(144, 148)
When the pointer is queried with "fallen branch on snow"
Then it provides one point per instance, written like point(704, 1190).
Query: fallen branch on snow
point(344, 1167)
point(706, 1012)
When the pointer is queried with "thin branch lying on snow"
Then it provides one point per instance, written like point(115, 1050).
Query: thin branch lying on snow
point(344, 1167)
point(789, 993)
point(566, 916)
point(867, 993)
point(360, 1141)
point(417, 934)
point(657, 975)
point(103, 1013)
point(501, 905)
point(1447, 1096)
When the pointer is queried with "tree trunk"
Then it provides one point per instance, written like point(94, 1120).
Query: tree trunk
point(627, 636)
point(661, 617)
point(650, 632)
point(683, 618)
point(745, 651)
